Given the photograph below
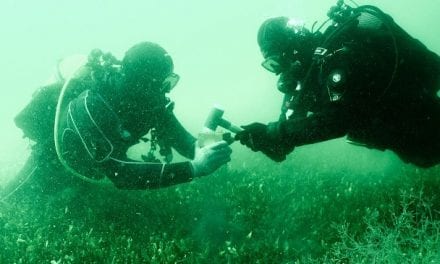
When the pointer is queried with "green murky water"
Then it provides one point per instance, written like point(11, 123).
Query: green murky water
point(327, 203)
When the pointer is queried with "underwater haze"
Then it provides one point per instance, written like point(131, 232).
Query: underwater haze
point(327, 203)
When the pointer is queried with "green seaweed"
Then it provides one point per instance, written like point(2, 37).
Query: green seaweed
point(268, 214)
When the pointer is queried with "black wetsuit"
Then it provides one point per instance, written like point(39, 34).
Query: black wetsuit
point(97, 128)
point(375, 84)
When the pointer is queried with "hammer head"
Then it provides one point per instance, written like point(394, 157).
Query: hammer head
point(214, 118)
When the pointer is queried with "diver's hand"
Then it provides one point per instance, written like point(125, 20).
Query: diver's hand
point(260, 137)
point(210, 158)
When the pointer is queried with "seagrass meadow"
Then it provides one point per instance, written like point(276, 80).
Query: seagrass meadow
point(293, 213)
point(329, 202)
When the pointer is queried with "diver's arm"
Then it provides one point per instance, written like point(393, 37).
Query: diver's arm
point(145, 175)
point(174, 134)
point(314, 128)
point(136, 175)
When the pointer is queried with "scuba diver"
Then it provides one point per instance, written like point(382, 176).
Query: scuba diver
point(364, 77)
point(85, 124)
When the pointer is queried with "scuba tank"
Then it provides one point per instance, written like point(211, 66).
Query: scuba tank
point(36, 120)
point(406, 57)
point(332, 62)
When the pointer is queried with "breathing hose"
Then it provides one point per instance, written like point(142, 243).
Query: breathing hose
point(56, 129)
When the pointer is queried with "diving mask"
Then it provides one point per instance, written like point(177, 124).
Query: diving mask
point(282, 63)
point(272, 64)
point(170, 82)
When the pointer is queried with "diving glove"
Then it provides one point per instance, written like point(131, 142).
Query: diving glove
point(210, 157)
point(264, 138)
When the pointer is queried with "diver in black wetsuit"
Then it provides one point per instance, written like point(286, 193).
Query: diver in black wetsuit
point(364, 77)
point(106, 107)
